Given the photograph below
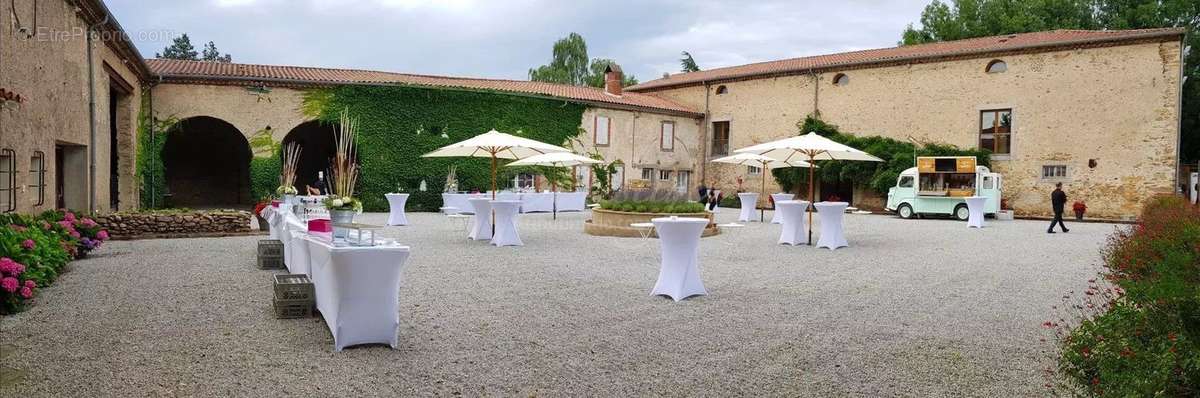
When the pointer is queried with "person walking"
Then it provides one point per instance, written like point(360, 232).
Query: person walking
point(1058, 199)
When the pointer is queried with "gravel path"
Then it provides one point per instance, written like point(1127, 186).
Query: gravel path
point(912, 308)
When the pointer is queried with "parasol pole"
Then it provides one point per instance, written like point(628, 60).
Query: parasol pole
point(811, 203)
point(763, 211)
point(493, 210)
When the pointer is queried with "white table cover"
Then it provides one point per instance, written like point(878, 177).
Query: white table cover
point(537, 202)
point(297, 261)
point(274, 221)
point(290, 223)
point(749, 201)
point(679, 271)
point(396, 202)
point(779, 197)
point(831, 214)
point(506, 223)
point(459, 201)
point(572, 201)
point(358, 291)
point(975, 211)
point(794, 220)
point(481, 221)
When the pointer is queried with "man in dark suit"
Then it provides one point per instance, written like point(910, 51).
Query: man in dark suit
point(1058, 199)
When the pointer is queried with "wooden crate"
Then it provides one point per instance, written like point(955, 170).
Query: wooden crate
point(288, 309)
point(294, 287)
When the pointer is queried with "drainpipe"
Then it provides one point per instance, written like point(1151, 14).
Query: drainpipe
point(705, 138)
point(632, 149)
point(1179, 108)
point(92, 119)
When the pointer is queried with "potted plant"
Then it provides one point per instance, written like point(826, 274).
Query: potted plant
point(341, 203)
point(287, 175)
point(1005, 213)
point(1079, 208)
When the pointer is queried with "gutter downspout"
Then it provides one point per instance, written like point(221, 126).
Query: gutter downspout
point(1179, 108)
point(704, 141)
point(92, 118)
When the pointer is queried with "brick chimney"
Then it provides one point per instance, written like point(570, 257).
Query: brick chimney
point(613, 79)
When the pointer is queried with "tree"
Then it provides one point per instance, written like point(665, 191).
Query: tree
point(570, 64)
point(180, 48)
point(964, 19)
point(211, 54)
point(688, 64)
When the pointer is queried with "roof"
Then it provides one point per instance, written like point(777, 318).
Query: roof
point(96, 14)
point(202, 72)
point(977, 47)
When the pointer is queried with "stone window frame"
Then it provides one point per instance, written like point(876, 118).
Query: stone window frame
point(840, 79)
point(662, 140)
point(1003, 66)
point(664, 175)
point(37, 172)
point(1013, 127)
point(596, 131)
point(1065, 177)
point(8, 176)
point(648, 173)
point(712, 122)
point(722, 90)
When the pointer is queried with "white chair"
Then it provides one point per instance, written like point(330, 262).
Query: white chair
point(481, 221)
point(795, 225)
point(506, 222)
point(777, 218)
point(831, 214)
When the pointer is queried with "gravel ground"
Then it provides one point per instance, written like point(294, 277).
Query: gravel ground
point(912, 308)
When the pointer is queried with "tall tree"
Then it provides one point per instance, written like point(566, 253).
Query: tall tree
point(570, 64)
point(210, 53)
point(964, 19)
point(688, 64)
point(180, 48)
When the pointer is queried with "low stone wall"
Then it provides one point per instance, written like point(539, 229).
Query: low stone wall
point(184, 224)
point(616, 223)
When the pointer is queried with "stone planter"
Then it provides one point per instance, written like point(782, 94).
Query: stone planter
point(1004, 215)
point(616, 223)
point(1078, 216)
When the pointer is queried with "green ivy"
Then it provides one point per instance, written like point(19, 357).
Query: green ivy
point(877, 176)
point(151, 137)
point(399, 124)
point(264, 174)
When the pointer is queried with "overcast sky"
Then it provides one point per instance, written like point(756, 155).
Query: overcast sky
point(504, 38)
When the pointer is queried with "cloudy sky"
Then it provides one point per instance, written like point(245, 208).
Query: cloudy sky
point(504, 38)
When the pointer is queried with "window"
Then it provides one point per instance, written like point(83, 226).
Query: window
point(664, 175)
point(523, 181)
point(905, 182)
point(988, 182)
point(995, 131)
point(647, 174)
point(1054, 172)
point(682, 179)
point(8, 180)
point(720, 140)
point(37, 176)
point(601, 130)
point(666, 136)
point(618, 177)
point(841, 79)
point(722, 90)
point(753, 170)
point(996, 66)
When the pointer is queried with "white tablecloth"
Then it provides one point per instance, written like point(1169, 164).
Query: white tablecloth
point(572, 201)
point(975, 206)
point(506, 223)
point(749, 201)
point(792, 214)
point(290, 224)
point(297, 260)
point(358, 291)
point(679, 272)
point(831, 224)
point(481, 222)
point(459, 201)
point(530, 202)
point(396, 202)
point(779, 197)
point(537, 202)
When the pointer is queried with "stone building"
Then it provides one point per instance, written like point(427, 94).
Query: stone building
point(70, 89)
point(1096, 110)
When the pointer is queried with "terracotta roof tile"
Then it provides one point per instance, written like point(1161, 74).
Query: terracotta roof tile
point(223, 73)
point(980, 46)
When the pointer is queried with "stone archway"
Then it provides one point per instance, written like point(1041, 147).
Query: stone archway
point(317, 149)
point(207, 164)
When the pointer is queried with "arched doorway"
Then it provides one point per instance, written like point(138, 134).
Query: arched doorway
point(317, 149)
point(207, 164)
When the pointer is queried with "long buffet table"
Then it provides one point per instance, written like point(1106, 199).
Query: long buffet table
point(358, 288)
point(530, 202)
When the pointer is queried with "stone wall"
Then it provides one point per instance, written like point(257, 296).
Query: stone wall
point(634, 139)
point(147, 225)
point(1109, 114)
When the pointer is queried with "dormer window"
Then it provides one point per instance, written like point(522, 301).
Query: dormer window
point(996, 66)
point(841, 79)
point(722, 90)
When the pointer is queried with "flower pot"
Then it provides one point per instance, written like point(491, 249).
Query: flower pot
point(289, 199)
point(1078, 216)
point(341, 217)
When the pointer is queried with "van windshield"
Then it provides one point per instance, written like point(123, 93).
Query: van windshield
point(905, 182)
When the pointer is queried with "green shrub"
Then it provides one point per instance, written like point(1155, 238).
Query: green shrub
point(730, 201)
point(652, 206)
point(1139, 336)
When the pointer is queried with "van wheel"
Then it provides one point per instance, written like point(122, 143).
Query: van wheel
point(905, 211)
point(962, 213)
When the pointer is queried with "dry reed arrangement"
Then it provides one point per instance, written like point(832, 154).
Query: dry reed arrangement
point(343, 172)
point(291, 159)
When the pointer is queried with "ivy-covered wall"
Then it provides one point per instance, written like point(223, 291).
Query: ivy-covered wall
point(399, 124)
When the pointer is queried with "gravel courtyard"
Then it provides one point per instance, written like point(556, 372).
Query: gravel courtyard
point(912, 308)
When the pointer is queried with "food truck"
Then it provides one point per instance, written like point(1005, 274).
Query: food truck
point(938, 185)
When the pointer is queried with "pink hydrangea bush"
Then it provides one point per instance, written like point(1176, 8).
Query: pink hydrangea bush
point(15, 291)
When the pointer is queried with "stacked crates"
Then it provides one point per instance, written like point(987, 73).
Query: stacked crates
point(270, 254)
point(295, 296)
